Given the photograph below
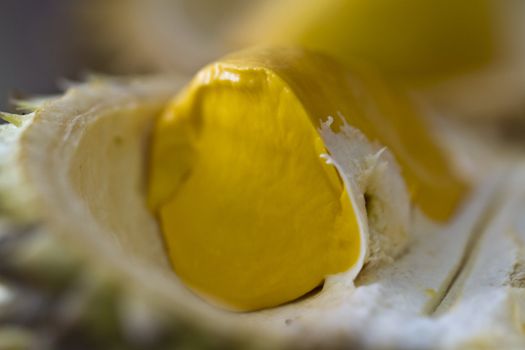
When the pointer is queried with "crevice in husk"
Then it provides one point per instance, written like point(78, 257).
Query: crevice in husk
point(469, 254)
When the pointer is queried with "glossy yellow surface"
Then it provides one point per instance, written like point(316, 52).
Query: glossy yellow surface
point(252, 217)
point(413, 39)
point(381, 110)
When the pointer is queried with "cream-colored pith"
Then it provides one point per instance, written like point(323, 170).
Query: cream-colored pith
point(390, 305)
point(376, 188)
point(15, 193)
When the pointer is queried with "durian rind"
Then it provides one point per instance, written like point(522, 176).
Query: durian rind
point(87, 243)
point(15, 195)
point(376, 188)
point(70, 142)
point(81, 240)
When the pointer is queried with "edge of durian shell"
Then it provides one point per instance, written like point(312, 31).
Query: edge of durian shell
point(92, 283)
point(377, 191)
point(17, 200)
point(15, 193)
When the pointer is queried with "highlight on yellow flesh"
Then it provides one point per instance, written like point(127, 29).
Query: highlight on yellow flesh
point(255, 217)
point(252, 215)
point(421, 40)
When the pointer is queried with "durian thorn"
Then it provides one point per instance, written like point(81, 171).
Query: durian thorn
point(94, 77)
point(65, 84)
point(15, 119)
point(29, 105)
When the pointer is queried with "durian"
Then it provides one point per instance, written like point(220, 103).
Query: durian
point(241, 188)
point(76, 219)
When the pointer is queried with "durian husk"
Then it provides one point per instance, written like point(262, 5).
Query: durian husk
point(65, 262)
point(77, 235)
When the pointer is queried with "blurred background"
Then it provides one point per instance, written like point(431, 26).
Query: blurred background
point(44, 42)
point(39, 46)
point(466, 58)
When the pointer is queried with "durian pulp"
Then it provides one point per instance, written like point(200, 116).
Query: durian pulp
point(252, 216)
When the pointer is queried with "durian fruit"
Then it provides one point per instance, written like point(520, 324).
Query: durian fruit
point(79, 233)
point(274, 116)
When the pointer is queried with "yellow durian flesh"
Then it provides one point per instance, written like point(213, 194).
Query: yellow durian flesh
point(251, 215)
